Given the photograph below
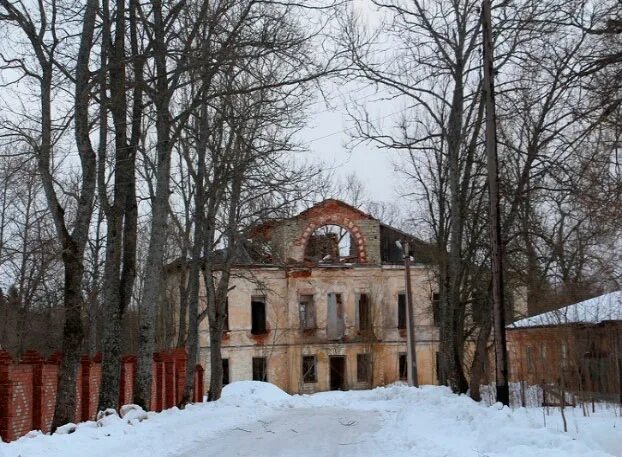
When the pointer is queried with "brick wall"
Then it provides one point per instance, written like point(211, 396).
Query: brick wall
point(198, 381)
point(170, 392)
point(584, 356)
point(42, 419)
point(157, 382)
point(16, 392)
point(28, 388)
point(290, 237)
point(90, 376)
point(128, 374)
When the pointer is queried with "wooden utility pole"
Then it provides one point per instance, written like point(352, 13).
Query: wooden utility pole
point(496, 254)
point(411, 354)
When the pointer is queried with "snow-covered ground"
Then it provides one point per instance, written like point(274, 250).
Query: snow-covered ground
point(259, 420)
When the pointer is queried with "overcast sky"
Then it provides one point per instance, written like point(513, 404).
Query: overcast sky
point(327, 137)
point(330, 127)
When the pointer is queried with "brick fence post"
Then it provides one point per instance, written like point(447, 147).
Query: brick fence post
point(169, 384)
point(134, 370)
point(5, 393)
point(95, 374)
point(35, 359)
point(181, 359)
point(198, 384)
point(49, 386)
point(91, 374)
point(15, 398)
point(126, 391)
point(157, 394)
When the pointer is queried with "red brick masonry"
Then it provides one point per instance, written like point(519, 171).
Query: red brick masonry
point(28, 388)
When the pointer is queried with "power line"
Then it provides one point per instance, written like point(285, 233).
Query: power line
point(313, 140)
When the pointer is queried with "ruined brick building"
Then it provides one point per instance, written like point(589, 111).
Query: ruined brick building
point(317, 302)
point(578, 347)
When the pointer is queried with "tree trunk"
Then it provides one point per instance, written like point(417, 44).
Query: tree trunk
point(153, 278)
point(454, 264)
point(192, 343)
point(217, 296)
point(73, 335)
point(160, 208)
point(120, 255)
point(479, 361)
point(443, 375)
point(121, 215)
point(201, 214)
point(215, 356)
point(461, 385)
point(93, 297)
point(496, 246)
point(111, 344)
point(183, 304)
point(74, 243)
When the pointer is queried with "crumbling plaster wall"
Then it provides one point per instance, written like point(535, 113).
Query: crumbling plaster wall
point(285, 343)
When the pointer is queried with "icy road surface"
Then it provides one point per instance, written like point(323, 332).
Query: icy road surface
point(298, 432)
point(260, 420)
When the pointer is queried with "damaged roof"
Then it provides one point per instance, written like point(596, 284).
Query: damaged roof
point(607, 307)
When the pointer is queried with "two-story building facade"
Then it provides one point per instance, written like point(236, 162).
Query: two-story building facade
point(320, 304)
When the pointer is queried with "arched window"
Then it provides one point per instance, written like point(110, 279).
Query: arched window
point(331, 244)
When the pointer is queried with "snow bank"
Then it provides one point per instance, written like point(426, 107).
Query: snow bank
point(434, 422)
point(425, 422)
point(133, 412)
point(171, 433)
point(66, 429)
point(599, 431)
point(249, 393)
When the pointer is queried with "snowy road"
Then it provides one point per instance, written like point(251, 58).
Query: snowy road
point(259, 420)
point(297, 432)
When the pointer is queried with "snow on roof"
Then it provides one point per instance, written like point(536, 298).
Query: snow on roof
point(606, 307)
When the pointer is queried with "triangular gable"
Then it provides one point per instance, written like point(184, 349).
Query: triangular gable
point(332, 205)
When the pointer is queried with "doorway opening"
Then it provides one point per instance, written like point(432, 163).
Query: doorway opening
point(337, 372)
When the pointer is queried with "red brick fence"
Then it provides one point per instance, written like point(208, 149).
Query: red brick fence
point(28, 388)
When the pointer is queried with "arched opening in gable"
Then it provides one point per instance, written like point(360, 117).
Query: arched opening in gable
point(331, 243)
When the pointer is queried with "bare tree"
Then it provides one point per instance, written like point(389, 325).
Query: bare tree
point(441, 43)
point(43, 39)
point(120, 210)
point(162, 25)
point(203, 52)
point(30, 258)
point(244, 146)
point(436, 70)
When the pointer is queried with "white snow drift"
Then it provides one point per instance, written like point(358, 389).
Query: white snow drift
point(258, 419)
